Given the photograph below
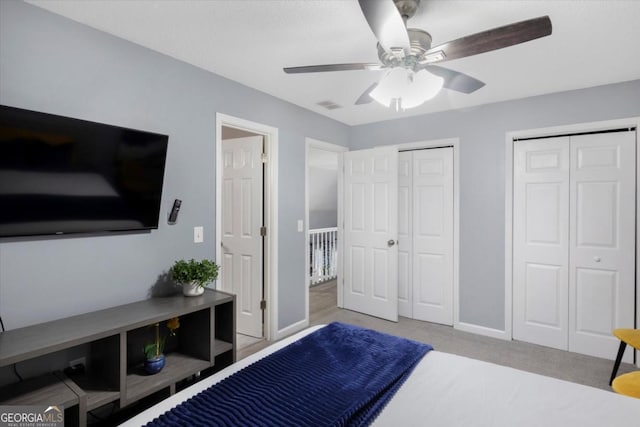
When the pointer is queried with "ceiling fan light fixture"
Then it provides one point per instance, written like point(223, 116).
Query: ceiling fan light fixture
point(425, 86)
point(392, 85)
point(406, 89)
point(436, 56)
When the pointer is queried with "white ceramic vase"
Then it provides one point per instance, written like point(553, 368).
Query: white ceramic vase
point(192, 289)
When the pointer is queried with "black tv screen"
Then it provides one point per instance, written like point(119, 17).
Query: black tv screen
point(60, 175)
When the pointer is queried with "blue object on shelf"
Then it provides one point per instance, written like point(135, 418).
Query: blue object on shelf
point(155, 365)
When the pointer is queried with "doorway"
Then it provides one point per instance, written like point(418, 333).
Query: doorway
point(384, 187)
point(321, 213)
point(246, 244)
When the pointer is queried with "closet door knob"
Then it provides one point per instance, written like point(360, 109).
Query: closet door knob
point(596, 258)
point(391, 242)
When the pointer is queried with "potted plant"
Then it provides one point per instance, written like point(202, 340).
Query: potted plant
point(194, 275)
point(154, 351)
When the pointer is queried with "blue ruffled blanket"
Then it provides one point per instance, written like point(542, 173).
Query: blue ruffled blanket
point(339, 375)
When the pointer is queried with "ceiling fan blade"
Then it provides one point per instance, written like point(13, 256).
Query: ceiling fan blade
point(455, 80)
point(331, 67)
point(486, 41)
point(365, 98)
point(387, 24)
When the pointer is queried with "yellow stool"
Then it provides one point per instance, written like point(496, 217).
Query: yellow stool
point(626, 336)
point(628, 384)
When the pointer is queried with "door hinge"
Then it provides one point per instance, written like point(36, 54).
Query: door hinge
point(263, 157)
point(263, 231)
point(263, 305)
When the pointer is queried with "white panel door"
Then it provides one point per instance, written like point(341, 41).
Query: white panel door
point(602, 241)
point(541, 241)
point(371, 232)
point(241, 270)
point(405, 234)
point(433, 235)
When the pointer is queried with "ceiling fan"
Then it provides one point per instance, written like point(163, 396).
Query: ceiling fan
point(409, 58)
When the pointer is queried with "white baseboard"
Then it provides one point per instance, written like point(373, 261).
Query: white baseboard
point(291, 329)
point(482, 330)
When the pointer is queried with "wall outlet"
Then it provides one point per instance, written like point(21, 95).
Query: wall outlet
point(300, 225)
point(81, 361)
point(198, 234)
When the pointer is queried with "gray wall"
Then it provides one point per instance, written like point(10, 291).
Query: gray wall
point(482, 173)
point(52, 64)
point(323, 197)
point(322, 185)
point(323, 219)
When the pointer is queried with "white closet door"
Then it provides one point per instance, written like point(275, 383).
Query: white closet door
point(433, 235)
point(541, 241)
point(371, 231)
point(602, 241)
point(405, 234)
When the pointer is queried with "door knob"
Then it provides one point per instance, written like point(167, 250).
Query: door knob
point(391, 242)
point(596, 258)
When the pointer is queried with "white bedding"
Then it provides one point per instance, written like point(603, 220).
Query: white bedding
point(449, 390)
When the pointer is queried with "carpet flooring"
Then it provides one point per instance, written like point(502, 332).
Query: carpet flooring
point(578, 368)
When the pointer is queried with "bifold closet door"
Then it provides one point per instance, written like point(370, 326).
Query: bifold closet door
point(602, 241)
point(425, 234)
point(433, 235)
point(574, 241)
point(405, 233)
point(541, 241)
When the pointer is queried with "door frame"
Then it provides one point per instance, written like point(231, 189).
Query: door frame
point(631, 122)
point(270, 254)
point(435, 143)
point(326, 146)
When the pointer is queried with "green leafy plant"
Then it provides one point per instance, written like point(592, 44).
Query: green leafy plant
point(155, 349)
point(197, 272)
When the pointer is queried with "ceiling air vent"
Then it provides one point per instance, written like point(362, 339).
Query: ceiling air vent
point(329, 105)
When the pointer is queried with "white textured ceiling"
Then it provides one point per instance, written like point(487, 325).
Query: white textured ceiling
point(249, 41)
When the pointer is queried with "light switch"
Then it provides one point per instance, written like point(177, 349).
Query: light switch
point(300, 225)
point(198, 234)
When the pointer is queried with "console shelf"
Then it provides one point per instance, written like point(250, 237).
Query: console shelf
point(222, 347)
point(114, 339)
point(178, 366)
point(50, 388)
point(95, 390)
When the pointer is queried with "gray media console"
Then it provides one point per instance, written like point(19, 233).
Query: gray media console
point(112, 340)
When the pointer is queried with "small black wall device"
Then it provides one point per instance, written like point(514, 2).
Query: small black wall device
point(173, 216)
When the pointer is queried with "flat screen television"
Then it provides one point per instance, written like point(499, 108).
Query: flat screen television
point(60, 175)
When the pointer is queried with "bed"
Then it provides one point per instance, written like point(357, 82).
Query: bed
point(448, 390)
